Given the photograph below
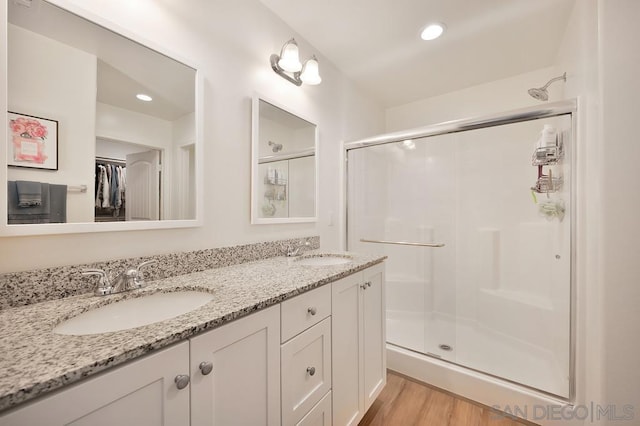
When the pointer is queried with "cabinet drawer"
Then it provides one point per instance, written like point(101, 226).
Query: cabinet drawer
point(306, 371)
point(305, 310)
point(320, 415)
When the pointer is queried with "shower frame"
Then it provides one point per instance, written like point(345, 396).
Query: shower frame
point(554, 109)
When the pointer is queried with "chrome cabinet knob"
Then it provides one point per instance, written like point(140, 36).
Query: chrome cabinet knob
point(312, 311)
point(363, 286)
point(311, 370)
point(368, 283)
point(205, 367)
point(182, 381)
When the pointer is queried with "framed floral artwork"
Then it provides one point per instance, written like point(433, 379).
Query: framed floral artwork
point(33, 142)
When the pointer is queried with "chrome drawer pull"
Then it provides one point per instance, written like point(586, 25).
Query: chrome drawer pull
point(312, 311)
point(311, 370)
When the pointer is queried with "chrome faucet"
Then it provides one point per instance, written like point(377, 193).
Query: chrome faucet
point(104, 286)
point(293, 251)
point(131, 279)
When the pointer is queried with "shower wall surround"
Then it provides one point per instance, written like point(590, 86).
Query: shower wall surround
point(25, 288)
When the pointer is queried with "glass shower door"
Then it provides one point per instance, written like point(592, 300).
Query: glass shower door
point(485, 281)
point(404, 192)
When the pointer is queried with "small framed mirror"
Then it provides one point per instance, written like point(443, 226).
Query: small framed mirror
point(284, 165)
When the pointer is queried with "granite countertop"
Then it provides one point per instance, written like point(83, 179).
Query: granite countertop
point(35, 360)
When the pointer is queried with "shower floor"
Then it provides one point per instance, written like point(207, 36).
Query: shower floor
point(477, 348)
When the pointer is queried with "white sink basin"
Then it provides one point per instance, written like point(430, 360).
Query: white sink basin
point(133, 313)
point(326, 260)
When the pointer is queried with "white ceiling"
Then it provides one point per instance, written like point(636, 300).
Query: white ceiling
point(124, 67)
point(377, 43)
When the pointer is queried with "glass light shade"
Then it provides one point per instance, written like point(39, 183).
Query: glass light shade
point(289, 57)
point(310, 73)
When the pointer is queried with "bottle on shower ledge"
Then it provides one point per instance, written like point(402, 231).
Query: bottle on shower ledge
point(548, 137)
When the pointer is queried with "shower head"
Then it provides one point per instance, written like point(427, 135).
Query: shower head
point(540, 93)
point(277, 147)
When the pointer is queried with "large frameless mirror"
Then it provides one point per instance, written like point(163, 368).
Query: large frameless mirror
point(100, 128)
point(284, 168)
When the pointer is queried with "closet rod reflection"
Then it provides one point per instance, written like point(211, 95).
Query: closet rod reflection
point(111, 160)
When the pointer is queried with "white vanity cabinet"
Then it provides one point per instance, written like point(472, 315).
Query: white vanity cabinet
point(235, 371)
point(231, 376)
point(142, 393)
point(358, 336)
point(315, 359)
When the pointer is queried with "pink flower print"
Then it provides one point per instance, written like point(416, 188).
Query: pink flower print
point(18, 127)
point(36, 130)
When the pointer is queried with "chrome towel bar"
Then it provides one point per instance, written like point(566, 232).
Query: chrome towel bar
point(78, 188)
point(402, 243)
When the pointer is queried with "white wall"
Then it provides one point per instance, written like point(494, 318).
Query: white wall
point(579, 57)
point(184, 130)
point(494, 97)
point(72, 96)
point(302, 187)
point(619, 203)
point(292, 140)
point(133, 127)
point(183, 183)
point(231, 42)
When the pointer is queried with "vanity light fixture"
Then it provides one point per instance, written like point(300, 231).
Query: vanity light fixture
point(144, 97)
point(288, 66)
point(432, 31)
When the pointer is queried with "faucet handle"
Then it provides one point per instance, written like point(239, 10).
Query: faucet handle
point(104, 286)
point(146, 263)
point(139, 275)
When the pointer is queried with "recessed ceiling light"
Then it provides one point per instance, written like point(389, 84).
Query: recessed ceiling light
point(144, 97)
point(432, 31)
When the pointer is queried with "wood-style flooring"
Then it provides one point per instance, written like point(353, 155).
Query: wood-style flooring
point(405, 402)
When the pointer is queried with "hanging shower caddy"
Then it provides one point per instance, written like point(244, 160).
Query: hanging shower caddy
point(550, 152)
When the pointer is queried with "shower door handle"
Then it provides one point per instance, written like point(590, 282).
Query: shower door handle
point(402, 243)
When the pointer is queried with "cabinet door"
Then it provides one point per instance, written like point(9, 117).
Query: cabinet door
point(374, 336)
point(141, 393)
point(346, 333)
point(243, 388)
point(306, 371)
point(320, 415)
